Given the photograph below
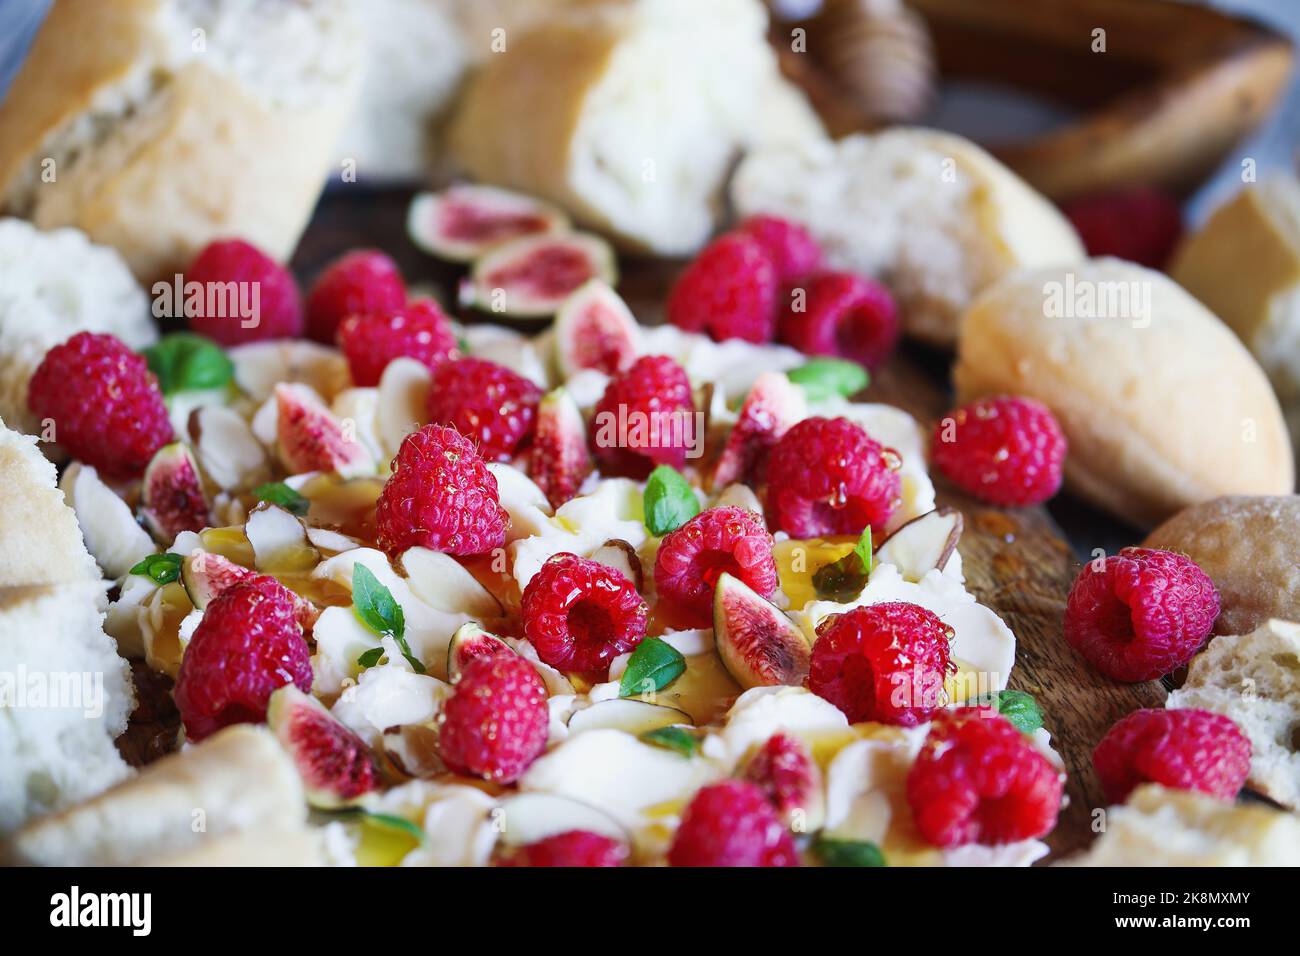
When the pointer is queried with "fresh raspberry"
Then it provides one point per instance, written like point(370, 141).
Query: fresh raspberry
point(645, 418)
point(248, 644)
point(841, 314)
point(104, 403)
point(792, 249)
point(579, 615)
point(731, 824)
point(440, 496)
point(692, 558)
point(883, 662)
point(485, 402)
point(1184, 749)
point(419, 330)
point(980, 780)
point(784, 770)
point(729, 291)
point(1140, 614)
point(279, 308)
point(495, 722)
point(828, 476)
point(571, 848)
point(1140, 224)
point(1007, 451)
point(359, 282)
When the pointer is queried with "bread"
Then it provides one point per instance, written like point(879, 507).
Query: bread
point(156, 126)
point(629, 113)
point(1254, 678)
point(1161, 404)
point(1159, 827)
point(1250, 548)
point(929, 213)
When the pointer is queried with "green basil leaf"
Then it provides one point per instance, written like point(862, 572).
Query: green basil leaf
point(673, 738)
point(186, 362)
point(1021, 709)
point(278, 493)
point(843, 580)
point(371, 657)
point(823, 378)
point(161, 568)
point(863, 549)
point(848, 853)
point(375, 604)
point(653, 666)
point(385, 820)
point(670, 501)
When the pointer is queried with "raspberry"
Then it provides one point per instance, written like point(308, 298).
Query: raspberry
point(783, 769)
point(883, 662)
point(1185, 749)
point(1140, 224)
point(362, 281)
point(729, 291)
point(485, 402)
point(691, 559)
point(842, 314)
point(1140, 614)
point(571, 848)
point(579, 614)
point(440, 496)
point(828, 476)
point(1007, 451)
point(419, 330)
point(279, 308)
point(248, 644)
point(980, 780)
point(495, 722)
point(731, 824)
point(791, 248)
point(104, 402)
point(645, 418)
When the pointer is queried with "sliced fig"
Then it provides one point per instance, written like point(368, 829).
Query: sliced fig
point(631, 716)
point(923, 544)
point(205, 575)
point(773, 405)
point(595, 329)
point(758, 644)
point(621, 556)
point(469, 643)
point(463, 222)
point(172, 496)
point(310, 438)
point(335, 764)
point(785, 771)
point(560, 460)
point(531, 277)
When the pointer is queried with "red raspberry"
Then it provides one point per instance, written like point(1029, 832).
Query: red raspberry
point(731, 824)
point(692, 558)
point(645, 418)
point(580, 614)
point(883, 662)
point(248, 644)
point(730, 291)
point(486, 403)
point(279, 314)
point(419, 330)
point(790, 246)
point(440, 496)
point(783, 769)
point(104, 403)
point(1007, 451)
point(1140, 614)
point(362, 281)
point(1140, 224)
point(828, 476)
point(571, 848)
point(980, 780)
point(495, 722)
point(1184, 749)
point(843, 314)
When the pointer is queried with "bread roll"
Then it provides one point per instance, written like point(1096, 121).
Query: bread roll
point(930, 213)
point(1161, 404)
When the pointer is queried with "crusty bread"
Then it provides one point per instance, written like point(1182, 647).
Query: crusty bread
point(1254, 678)
point(1249, 545)
point(928, 212)
point(1162, 405)
point(156, 126)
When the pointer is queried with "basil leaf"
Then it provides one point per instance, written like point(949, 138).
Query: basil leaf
point(186, 362)
point(386, 820)
point(843, 580)
point(863, 549)
point(278, 493)
point(161, 568)
point(673, 738)
point(371, 657)
point(1021, 709)
point(823, 378)
point(669, 501)
point(653, 666)
point(378, 610)
point(848, 853)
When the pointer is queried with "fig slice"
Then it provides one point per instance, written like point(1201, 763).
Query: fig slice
point(923, 544)
point(336, 766)
point(783, 768)
point(205, 575)
point(635, 717)
point(311, 438)
point(774, 404)
point(532, 817)
point(462, 222)
point(471, 642)
point(595, 329)
point(559, 461)
point(758, 644)
point(530, 278)
point(172, 495)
